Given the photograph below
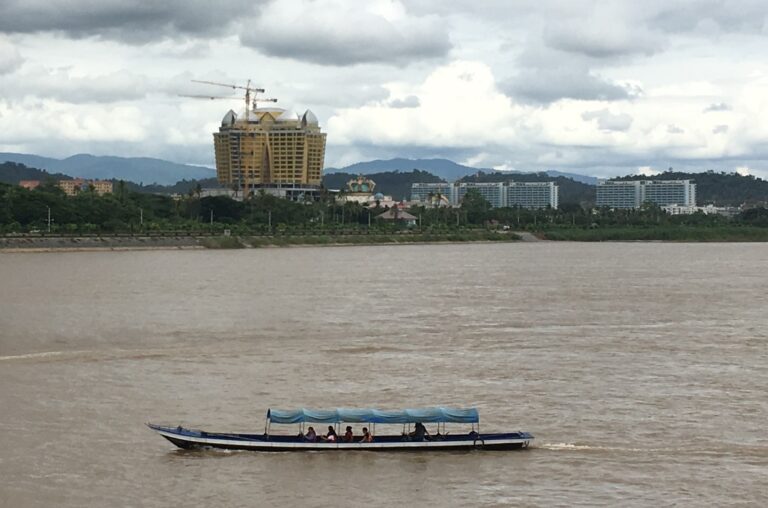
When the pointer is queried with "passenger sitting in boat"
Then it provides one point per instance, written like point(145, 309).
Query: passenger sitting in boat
point(310, 436)
point(348, 435)
point(420, 432)
point(331, 436)
point(367, 437)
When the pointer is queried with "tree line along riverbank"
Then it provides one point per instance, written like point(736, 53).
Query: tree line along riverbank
point(273, 221)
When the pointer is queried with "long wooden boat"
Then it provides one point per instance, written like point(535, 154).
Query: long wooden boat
point(191, 438)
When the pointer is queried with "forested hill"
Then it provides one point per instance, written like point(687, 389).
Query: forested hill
point(720, 189)
point(13, 173)
point(570, 191)
point(134, 169)
point(392, 183)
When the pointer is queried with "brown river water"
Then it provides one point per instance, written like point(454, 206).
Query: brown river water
point(641, 368)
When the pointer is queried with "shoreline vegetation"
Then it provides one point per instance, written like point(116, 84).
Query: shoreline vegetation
point(45, 243)
point(186, 241)
point(681, 233)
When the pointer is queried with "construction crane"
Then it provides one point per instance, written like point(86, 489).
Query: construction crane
point(248, 90)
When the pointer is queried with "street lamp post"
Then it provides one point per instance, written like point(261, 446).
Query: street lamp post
point(141, 216)
point(49, 218)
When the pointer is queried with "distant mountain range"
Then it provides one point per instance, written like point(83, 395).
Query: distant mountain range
point(133, 169)
point(444, 168)
point(720, 188)
point(157, 171)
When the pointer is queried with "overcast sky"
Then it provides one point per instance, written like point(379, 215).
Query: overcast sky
point(595, 87)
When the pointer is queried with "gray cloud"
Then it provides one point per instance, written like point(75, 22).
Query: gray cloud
point(720, 129)
point(10, 58)
point(61, 86)
point(340, 94)
point(548, 85)
point(355, 38)
point(409, 102)
point(674, 129)
point(607, 41)
point(608, 121)
point(711, 16)
point(719, 106)
point(547, 75)
point(135, 21)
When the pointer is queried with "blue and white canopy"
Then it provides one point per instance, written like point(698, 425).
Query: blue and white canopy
point(424, 415)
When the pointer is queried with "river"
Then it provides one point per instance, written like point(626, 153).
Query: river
point(641, 368)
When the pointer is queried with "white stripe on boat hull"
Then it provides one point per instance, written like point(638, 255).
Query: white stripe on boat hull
point(240, 443)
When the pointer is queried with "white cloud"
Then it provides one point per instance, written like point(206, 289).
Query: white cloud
point(475, 160)
point(459, 106)
point(80, 123)
point(647, 171)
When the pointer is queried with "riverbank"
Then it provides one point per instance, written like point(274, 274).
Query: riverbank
point(117, 243)
point(184, 241)
point(665, 234)
point(90, 243)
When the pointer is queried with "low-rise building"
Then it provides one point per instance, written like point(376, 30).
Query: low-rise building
point(394, 214)
point(74, 187)
point(726, 211)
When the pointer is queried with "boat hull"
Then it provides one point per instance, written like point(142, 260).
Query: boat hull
point(191, 439)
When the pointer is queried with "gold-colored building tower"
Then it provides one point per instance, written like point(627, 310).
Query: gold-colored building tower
point(270, 148)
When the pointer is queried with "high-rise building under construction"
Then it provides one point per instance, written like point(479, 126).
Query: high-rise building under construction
point(271, 149)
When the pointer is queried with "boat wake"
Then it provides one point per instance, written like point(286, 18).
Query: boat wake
point(584, 447)
point(565, 446)
point(91, 356)
point(32, 356)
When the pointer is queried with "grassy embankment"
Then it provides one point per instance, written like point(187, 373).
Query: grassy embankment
point(238, 242)
point(662, 233)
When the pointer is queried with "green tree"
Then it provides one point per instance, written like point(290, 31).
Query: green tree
point(475, 206)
